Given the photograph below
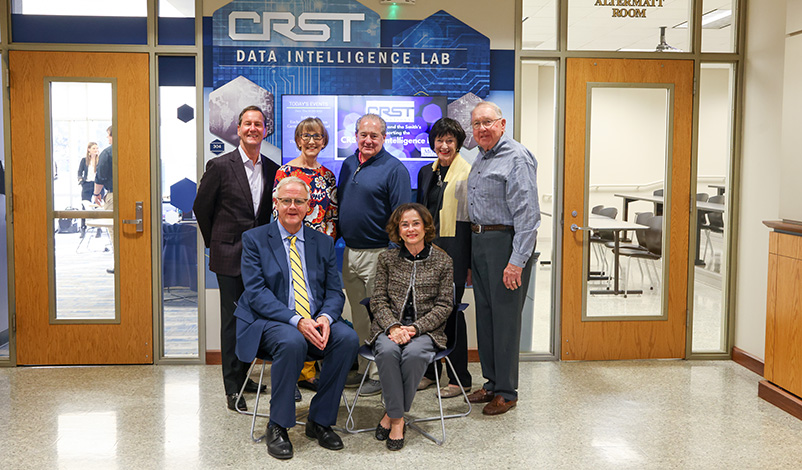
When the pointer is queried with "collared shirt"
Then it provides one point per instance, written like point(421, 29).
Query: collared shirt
point(300, 246)
point(502, 190)
point(254, 173)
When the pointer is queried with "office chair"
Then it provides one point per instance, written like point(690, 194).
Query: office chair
point(599, 237)
point(366, 351)
point(715, 224)
point(652, 238)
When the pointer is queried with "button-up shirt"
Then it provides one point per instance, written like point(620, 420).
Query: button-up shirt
point(502, 190)
point(254, 173)
point(300, 246)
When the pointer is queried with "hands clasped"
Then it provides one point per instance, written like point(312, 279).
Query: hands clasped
point(316, 331)
point(402, 334)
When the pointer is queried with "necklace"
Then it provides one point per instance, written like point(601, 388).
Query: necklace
point(439, 177)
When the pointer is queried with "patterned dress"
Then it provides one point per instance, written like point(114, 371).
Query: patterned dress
point(323, 200)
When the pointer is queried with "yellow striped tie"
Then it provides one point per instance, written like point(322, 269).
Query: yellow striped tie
point(298, 282)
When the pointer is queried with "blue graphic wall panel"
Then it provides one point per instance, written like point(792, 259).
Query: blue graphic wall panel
point(471, 73)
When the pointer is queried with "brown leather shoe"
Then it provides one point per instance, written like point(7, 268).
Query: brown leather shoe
point(481, 396)
point(499, 406)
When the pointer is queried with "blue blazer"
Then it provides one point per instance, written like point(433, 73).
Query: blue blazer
point(266, 277)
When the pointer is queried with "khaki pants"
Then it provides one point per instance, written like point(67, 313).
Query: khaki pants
point(108, 204)
point(359, 271)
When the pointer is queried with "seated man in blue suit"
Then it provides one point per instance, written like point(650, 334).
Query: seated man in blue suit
point(290, 309)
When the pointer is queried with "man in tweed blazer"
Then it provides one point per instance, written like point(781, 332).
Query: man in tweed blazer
point(235, 195)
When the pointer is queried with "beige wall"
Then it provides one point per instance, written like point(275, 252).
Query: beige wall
point(760, 168)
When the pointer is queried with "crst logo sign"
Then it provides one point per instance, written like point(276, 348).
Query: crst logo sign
point(392, 111)
point(284, 22)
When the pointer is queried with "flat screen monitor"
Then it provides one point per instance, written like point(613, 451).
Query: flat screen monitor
point(408, 118)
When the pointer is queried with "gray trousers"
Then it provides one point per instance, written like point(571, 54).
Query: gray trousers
point(400, 369)
point(498, 311)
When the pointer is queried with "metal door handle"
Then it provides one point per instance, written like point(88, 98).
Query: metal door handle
point(575, 227)
point(140, 227)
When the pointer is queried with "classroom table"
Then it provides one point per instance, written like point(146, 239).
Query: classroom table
point(596, 222)
point(701, 208)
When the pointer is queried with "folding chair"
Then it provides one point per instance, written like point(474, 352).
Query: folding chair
point(367, 352)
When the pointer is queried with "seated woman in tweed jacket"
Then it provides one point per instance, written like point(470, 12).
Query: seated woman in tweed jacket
point(412, 298)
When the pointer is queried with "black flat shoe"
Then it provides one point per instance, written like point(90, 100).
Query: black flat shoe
point(233, 404)
point(382, 433)
point(278, 442)
point(395, 444)
point(325, 436)
point(308, 384)
point(250, 387)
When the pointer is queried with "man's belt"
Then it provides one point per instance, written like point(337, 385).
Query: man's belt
point(476, 228)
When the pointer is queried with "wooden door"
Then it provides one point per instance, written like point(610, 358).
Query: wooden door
point(42, 338)
point(585, 338)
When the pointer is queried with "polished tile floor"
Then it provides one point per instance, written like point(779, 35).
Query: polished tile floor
point(629, 414)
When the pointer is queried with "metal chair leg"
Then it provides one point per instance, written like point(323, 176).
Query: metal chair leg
point(442, 417)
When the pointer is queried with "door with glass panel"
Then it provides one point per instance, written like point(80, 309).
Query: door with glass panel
point(627, 205)
point(80, 154)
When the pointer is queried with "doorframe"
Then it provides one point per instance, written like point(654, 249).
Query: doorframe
point(560, 56)
point(154, 51)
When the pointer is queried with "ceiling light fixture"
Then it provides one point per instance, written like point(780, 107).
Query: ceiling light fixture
point(713, 19)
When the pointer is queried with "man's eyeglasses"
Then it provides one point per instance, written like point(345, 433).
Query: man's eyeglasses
point(288, 201)
point(315, 137)
point(484, 124)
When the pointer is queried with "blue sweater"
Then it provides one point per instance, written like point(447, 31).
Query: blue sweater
point(368, 193)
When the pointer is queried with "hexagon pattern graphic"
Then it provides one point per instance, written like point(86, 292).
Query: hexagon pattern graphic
point(460, 110)
point(226, 102)
point(186, 113)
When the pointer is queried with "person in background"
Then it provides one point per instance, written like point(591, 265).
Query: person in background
point(413, 295)
point(311, 137)
point(372, 184)
point(86, 177)
point(104, 184)
point(443, 189)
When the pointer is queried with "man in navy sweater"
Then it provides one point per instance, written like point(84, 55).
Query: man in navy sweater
point(372, 184)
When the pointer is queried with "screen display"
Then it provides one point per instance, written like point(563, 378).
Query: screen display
point(408, 119)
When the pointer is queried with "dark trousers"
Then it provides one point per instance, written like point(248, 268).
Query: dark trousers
point(498, 311)
point(289, 349)
point(459, 356)
point(234, 370)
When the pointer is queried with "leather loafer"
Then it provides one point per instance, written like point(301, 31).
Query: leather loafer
point(499, 406)
point(325, 436)
point(481, 396)
point(451, 391)
point(233, 404)
point(278, 442)
point(308, 384)
point(250, 387)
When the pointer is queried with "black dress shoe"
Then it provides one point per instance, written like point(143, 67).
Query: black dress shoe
point(325, 436)
point(298, 396)
point(308, 384)
point(250, 387)
point(278, 442)
point(233, 404)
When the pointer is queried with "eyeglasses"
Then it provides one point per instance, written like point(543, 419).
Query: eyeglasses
point(288, 201)
point(484, 124)
point(315, 137)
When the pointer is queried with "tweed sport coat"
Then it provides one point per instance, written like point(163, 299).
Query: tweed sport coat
point(224, 209)
point(432, 284)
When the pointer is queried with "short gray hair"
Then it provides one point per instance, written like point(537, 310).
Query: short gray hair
point(291, 180)
point(372, 117)
point(489, 104)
